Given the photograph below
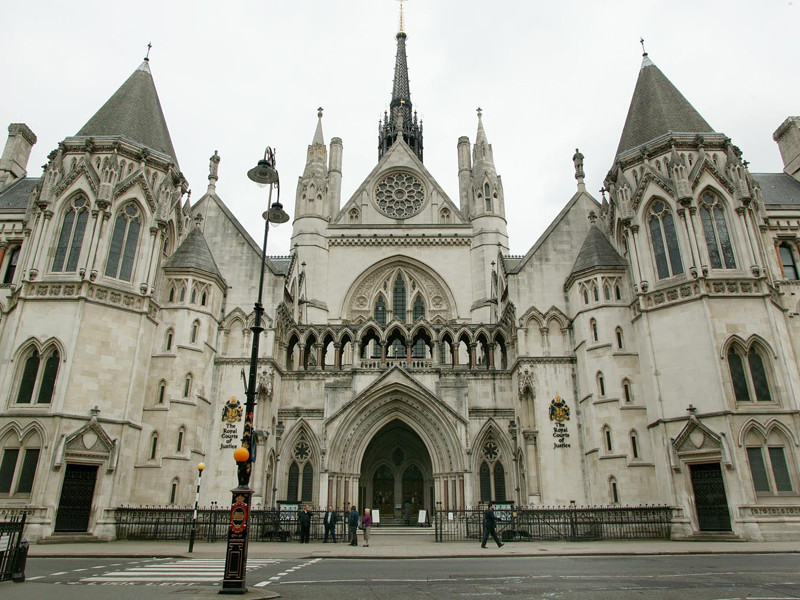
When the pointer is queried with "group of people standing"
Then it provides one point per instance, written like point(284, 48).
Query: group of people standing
point(330, 519)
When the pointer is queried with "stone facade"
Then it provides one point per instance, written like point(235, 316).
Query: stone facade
point(643, 351)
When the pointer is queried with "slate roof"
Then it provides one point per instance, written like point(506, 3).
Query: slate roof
point(15, 197)
point(597, 251)
point(778, 188)
point(657, 107)
point(194, 253)
point(134, 112)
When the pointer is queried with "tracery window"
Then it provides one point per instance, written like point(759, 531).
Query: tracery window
point(665, 241)
point(715, 230)
point(18, 464)
point(11, 269)
point(749, 375)
point(492, 473)
point(788, 264)
point(380, 311)
point(399, 299)
point(300, 488)
point(38, 378)
point(73, 228)
point(769, 464)
point(122, 252)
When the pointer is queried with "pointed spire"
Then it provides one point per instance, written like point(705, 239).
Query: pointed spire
point(480, 137)
point(401, 115)
point(318, 139)
point(134, 112)
point(657, 107)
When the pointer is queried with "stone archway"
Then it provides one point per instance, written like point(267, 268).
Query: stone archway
point(397, 474)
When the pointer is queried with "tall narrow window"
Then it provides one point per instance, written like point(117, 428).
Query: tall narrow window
point(614, 490)
point(308, 483)
point(627, 392)
point(619, 338)
point(487, 197)
point(593, 326)
point(419, 313)
point(168, 340)
point(787, 261)
point(292, 483)
point(28, 381)
point(601, 385)
point(122, 252)
point(70, 241)
point(499, 482)
point(48, 382)
point(162, 389)
point(195, 328)
point(173, 494)
point(7, 468)
point(380, 311)
point(11, 269)
point(749, 374)
point(179, 445)
point(769, 469)
point(607, 438)
point(28, 471)
point(738, 379)
point(758, 375)
point(38, 377)
point(715, 230)
point(187, 386)
point(486, 483)
point(634, 445)
point(665, 241)
point(153, 446)
point(399, 299)
point(617, 292)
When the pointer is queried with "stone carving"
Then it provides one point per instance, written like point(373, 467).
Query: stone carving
point(265, 379)
point(526, 385)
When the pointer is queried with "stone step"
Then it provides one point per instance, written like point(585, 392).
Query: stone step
point(71, 538)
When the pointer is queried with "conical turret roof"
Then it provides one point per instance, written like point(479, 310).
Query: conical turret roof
point(597, 251)
point(194, 253)
point(134, 112)
point(657, 107)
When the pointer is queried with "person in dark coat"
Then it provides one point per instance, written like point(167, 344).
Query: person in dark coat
point(352, 522)
point(329, 520)
point(305, 524)
point(490, 526)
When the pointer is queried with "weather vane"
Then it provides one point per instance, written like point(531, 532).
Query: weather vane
point(402, 25)
point(644, 52)
point(147, 56)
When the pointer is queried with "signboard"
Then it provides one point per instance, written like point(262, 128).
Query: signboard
point(231, 416)
point(503, 511)
point(422, 516)
point(559, 415)
point(376, 516)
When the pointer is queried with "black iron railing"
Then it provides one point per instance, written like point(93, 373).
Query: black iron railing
point(558, 523)
point(13, 549)
point(175, 523)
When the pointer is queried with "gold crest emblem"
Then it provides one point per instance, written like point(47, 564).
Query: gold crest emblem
point(559, 411)
point(232, 411)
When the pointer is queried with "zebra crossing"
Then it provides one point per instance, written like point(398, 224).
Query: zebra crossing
point(173, 572)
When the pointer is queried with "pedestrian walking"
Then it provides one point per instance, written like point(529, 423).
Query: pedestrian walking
point(366, 524)
point(352, 522)
point(305, 524)
point(490, 526)
point(329, 520)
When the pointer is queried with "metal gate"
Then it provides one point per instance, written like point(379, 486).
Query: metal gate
point(710, 500)
point(13, 549)
point(77, 493)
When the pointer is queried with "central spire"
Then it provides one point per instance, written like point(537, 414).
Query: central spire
point(400, 120)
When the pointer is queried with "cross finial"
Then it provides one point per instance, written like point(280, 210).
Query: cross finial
point(95, 411)
point(402, 24)
point(691, 410)
point(479, 110)
point(644, 52)
point(319, 112)
point(147, 56)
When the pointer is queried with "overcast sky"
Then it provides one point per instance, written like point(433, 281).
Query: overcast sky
point(550, 76)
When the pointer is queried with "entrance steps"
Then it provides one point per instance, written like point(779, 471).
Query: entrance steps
point(71, 538)
point(402, 530)
point(714, 536)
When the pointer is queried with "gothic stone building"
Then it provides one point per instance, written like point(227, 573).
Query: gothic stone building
point(644, 350)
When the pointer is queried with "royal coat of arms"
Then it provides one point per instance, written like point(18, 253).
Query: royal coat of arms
point(232, 411)
point(559, 411)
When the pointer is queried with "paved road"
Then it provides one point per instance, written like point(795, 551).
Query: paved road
point(700, 577)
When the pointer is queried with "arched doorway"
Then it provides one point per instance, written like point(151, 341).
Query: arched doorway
point(397, 474)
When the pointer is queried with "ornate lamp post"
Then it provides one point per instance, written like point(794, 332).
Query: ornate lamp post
point(200, 467)
point(264, 174)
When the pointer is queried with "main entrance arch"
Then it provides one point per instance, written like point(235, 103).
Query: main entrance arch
point(397, 474)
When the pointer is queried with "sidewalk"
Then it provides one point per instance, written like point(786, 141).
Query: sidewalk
point(405, 546)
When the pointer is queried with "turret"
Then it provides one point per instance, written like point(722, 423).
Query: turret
point(14, 163)
point(788, 138)
point(312, 186)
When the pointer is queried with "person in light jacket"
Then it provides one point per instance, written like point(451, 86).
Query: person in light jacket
point(366, 523)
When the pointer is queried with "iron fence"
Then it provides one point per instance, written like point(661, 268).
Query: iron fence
point(175, 523)
point(13, 549)
point(571, 523)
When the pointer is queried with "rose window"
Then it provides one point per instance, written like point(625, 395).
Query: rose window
point(302, 451)
point(490, 451)
point(400, 195)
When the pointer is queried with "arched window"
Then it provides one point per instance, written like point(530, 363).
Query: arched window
point(308, 483)
point(153, 446)
point(172, 294)
point(122, 252)
point(618, 332)
point(607, 439)
point(769, 465)
point(399, 299)
point(665, 241)
point(380, 311)
point(595, 293)
point(204, 298)
point(353, 214)
point(73, 228)
point(601, 385)
point(11, 269)
point(715, 230)
point(291, 485)
point(487, 197)
point(182, 296)
point(181, 437)
point(173, 492)
point(788, 263)
point(162, 390)
point(617, 292)
point(18, 463)
point(168, 340)
point(444, 216)
point(486, 483)
point(585, 296)
point(193, 299)
point(499, 482)
point(627, 390)
point(634, 445)
point(607, 292)
point(187, 385)
point(593, 327)
point(749, 375)
point(38, 378)
point(613, 489)
point(195, 329)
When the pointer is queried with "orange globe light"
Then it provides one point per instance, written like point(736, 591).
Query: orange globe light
point(241, 454)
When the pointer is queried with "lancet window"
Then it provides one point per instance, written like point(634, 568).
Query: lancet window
point(665, 241)
point(715, 230)
point(70, 240)
point(122, 252)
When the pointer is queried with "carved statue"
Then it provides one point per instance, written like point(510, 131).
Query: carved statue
point(213, 165)
point(577, 160)
point(526, 385)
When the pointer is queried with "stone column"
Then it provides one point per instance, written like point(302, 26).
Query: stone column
point(337, 358)
point(492, 347)
point(383, 352)
point(436, 354)
point(472, 355)
point(532, 462)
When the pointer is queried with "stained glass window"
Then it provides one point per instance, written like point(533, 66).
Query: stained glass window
point(715, 230)
point(665, 241)
point(736, 366)
point(308, 483)
point(399, 299)
point(759, 375)
point(73, 228)
point(486, 483)
point(294, 479)
point(122, 251)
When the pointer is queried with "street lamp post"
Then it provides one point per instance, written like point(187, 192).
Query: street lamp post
point(200, 467)
point(264, 174)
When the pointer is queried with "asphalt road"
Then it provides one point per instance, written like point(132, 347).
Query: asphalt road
point(699, 577)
